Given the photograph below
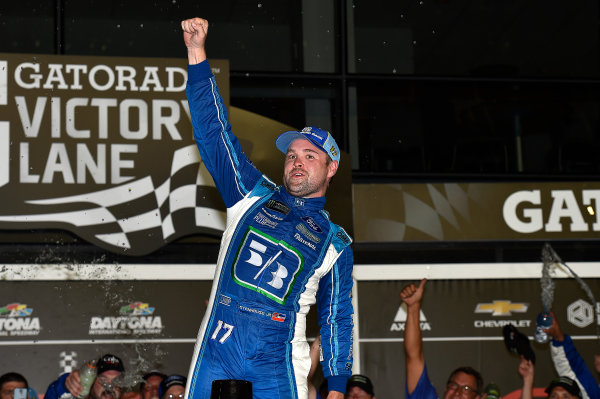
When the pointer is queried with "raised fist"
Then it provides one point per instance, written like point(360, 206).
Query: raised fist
point(194, 32)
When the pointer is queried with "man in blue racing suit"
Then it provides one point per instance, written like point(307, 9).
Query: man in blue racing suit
point(279, 254)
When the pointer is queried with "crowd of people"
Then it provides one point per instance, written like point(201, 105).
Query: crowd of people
point(107, 384)
point(575, 380)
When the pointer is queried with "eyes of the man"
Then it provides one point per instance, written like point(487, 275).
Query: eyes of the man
point(307, 156)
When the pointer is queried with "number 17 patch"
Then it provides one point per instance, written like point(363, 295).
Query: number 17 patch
point(267, 265)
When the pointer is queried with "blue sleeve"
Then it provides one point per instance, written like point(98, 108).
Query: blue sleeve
point(57, 388)
point(424, 389)
point(221, 153)
point(567, 361)
point(334, 304)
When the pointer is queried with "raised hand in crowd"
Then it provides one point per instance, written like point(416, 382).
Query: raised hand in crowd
point(413, 345)
point(527, 372)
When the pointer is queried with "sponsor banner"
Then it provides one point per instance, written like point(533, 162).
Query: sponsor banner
point(461, 322)
point(16, 320)
point(103, 147)
point(87, 310)
point(476, 211)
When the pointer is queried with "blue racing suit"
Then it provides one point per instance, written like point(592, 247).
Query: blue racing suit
point(58, 390)
point(569, 363)
point(279, 255)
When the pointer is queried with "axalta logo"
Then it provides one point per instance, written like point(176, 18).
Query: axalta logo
point(136, 318)
point(581, 313)
point(15, 320)
point(399, 323)
point(499, 308)
point(523, 213)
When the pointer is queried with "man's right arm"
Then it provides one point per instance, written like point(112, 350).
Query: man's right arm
point(567, 360)
point(221, 153)
point(413, 344)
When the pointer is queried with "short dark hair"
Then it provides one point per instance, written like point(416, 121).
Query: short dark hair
point(470, 371)
point(12, 377)
point(151, 373)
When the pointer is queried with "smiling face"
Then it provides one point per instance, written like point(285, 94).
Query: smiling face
point(307, 170)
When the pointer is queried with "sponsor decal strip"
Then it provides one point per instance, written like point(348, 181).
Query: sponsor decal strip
point(388, 272)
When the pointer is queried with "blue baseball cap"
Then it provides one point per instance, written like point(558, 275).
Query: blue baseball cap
point(319, 137)
point(170, 381)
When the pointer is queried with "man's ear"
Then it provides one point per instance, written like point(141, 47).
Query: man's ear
point(332, 168)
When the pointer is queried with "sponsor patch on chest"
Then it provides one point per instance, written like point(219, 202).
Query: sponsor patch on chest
point(312, 224)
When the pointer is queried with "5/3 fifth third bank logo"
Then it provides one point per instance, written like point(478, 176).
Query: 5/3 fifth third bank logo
point(399, 323)
point(267, 265)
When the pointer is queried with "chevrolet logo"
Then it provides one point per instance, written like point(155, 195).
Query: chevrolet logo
point(501, 308)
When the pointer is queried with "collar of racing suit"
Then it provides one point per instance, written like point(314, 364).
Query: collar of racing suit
point(316, 203)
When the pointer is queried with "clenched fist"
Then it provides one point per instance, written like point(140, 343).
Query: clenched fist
point(412, 294)
point(194, 37)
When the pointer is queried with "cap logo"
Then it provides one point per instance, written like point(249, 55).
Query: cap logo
point(320, 138)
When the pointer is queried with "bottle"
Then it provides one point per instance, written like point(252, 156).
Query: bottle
point(87, 375)
point(543, 321)
point(492, 390)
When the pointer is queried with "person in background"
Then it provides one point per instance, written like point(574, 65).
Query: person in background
point(131, 394)
point(563, 388)
point(568, 362)
point(465, 382)
point(105, 386)
point(11, 381)
point(314, 363)
point(151, 383)
point(359, 387)
point(172, 387)
point(526, 371)
point(559, 388)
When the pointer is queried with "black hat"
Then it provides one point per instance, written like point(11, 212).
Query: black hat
point(170, 381)
point(568, 384)
point(517, 342)
point(361, 381)
point(110, 362)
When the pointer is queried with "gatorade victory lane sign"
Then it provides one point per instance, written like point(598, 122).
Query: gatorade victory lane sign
point(103, 147)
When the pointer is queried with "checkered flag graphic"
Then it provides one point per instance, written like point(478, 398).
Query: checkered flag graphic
point(67, 362)
point(139, 217)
